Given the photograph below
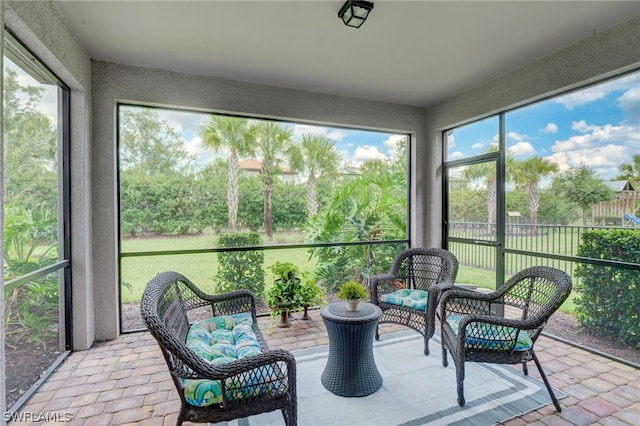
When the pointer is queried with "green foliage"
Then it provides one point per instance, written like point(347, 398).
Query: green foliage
point(312, 294)
point(582, 187)
point(369, 207)
point(288, 207)
point(251, 208)
point(30, 239)
point(285, 291)
point(467, 205)
point(166, 204)
point(284, 270)
point(352, 290)
point(31, 310)
point(149, 145)
point(240, 269)
point(609, 296)
point(30, 145)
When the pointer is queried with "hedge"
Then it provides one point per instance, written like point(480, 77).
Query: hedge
point(608, 298)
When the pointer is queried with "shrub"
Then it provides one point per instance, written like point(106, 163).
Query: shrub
point(240, 269)
point(609, 296)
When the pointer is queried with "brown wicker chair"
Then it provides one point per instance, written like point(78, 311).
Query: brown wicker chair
point(473, 330)
point(431, 269)
point(168, 302)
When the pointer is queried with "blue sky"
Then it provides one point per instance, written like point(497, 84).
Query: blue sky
point(355, 146)
point(598, 127)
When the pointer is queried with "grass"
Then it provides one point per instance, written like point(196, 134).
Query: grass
point(202, 268)
point(199, 268)
point(487, 279)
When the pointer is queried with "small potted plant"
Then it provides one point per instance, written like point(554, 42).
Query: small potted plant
point(284, 297)
point(311, 294)
point(353, 292)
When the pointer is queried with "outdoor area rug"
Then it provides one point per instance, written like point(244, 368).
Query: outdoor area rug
point(416, 390)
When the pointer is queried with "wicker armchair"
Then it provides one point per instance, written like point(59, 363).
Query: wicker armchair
point(429, 270)
point(473, 330)
point(256, 384)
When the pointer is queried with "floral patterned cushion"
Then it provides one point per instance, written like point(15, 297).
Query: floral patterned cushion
point(416, 299)
point(219, 340)
point(490, 336)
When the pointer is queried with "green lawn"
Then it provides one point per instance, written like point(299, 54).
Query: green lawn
point(202, 268)
point(486, 279)
point(199, 268)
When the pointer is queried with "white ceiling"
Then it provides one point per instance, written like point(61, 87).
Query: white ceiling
point(408, 52)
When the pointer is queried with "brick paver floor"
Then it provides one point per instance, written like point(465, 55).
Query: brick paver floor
point(125, 381)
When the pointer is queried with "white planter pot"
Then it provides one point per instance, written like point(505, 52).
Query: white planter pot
point(352, 305)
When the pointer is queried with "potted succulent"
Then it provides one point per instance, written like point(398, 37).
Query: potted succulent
point(311, 294)
point(284, 296)
point(353, 292)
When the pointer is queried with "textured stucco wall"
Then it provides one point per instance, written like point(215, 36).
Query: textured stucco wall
point(112, 83)
point(44, 31)
point(602, 55)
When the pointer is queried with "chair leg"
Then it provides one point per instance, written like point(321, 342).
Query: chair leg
point(546, 383)
point(525, 370)
point(377, 335)
point(460, 383)
point(445, 361)
point(426, 346)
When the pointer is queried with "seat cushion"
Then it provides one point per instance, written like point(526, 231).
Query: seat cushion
point(490, 336)
point(220, 340)
point(416, 299)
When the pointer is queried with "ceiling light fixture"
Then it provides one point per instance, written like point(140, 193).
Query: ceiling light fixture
point(354, 12)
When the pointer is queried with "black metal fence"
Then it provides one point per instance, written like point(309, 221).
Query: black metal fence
point(548, 244)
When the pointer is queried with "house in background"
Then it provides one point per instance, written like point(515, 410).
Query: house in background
point(252, 167)
point(624, 203)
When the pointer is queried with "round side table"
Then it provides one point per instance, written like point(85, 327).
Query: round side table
point(351, 369)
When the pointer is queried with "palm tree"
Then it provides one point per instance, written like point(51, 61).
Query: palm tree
point(317, 156)
point(527, 175)
point(487, 172)
point(236, 134)
point(274, 142)
point(630, 171)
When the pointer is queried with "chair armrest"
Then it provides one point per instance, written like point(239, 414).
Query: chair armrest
point(465, 302)
point(380, 284)
point(232, 302)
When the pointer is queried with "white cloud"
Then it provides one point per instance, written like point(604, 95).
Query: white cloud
point(522, 149)
point(595, 93)
point(456, 155)
point(183, 121)
point(551, 128)
point(195, 146)
point(582, 97)
point(391, 143)
point(333, 134)
point(366, 152)
point(603, 160)
point(477, 146)
point(516, 137)
point(594, 136)
point(603, 148)
point(629, 103)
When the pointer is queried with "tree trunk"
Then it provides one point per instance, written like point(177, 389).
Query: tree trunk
point(491, 206)
point(232, 191)
point(312, 198)
point(534, 205)
point(268, 216)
